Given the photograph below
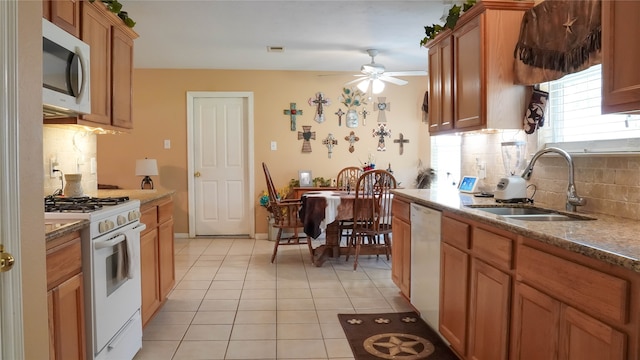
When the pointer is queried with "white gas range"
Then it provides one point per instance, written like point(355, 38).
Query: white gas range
point(111, 266)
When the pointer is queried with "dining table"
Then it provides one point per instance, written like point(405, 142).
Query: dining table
point(321, 212)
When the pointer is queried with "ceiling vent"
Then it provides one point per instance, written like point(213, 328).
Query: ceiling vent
point(275, 49)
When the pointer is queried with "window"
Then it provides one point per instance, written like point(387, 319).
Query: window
point(446, 159)
point(574, 121)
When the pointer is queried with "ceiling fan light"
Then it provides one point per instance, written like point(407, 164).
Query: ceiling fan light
point(363, 85)
point(377, 86)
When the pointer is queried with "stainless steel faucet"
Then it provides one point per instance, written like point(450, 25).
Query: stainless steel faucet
point(573, 199)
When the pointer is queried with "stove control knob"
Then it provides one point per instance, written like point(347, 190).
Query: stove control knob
point(134, 214)
point(105, 226)
point(122, 220)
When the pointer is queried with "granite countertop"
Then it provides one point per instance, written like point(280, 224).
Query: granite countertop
point(145, 196)
point(56, 228)
point(610, 239)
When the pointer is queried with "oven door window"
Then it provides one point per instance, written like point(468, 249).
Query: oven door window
point(117, 268)
point(60, 70)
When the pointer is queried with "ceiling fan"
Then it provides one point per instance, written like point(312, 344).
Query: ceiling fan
point(374, 75)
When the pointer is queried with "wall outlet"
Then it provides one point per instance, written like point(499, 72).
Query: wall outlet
point(274, 146)
point(167, 144)
point(53, 165)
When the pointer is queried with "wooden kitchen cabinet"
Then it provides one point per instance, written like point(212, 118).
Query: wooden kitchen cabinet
point(478, 80)
point(454, 282)
point(401, 246)
point(166, 248)
point(454, 289)
point(475, 288)
point(620, 51)
point(441, 85)
point(65, 298)
point(64, 13)
point(567, 306)
point(111, 43)
point(156, 255)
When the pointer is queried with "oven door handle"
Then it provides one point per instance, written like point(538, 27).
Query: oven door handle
point(109, 243)
point(101, 244)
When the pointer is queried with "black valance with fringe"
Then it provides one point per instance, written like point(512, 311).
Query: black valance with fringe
point(558, 37)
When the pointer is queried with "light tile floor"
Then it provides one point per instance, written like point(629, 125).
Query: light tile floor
point(230, 302)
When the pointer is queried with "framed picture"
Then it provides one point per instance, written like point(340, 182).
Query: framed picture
point(305, 177)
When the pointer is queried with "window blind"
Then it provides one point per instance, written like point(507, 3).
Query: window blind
point(574, 116)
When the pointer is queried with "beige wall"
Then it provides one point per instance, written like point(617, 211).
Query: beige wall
point(160, 113)
point(32, 253)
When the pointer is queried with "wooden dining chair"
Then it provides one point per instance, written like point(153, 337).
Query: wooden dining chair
point(346, 181)
point(286, 218)
point(372, 214)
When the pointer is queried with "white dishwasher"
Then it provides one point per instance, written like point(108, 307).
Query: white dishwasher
point(425, 263)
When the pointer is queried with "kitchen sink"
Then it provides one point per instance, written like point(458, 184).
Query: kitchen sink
point(529, 213)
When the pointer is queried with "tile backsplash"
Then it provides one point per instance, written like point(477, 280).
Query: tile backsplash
point(75, 150)
point(609, 183)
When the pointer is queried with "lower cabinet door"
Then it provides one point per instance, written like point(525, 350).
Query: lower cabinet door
point(489, 312)
point(166, 258)
point(454, 275)
point(149, 274)
point(536, 319)
point(66, 320)
point(585, 338)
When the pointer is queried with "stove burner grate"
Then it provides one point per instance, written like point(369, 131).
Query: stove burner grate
point(82, 204)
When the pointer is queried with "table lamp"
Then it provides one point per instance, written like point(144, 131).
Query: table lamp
point(146, 167)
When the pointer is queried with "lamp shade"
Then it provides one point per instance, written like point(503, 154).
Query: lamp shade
point(146, 167)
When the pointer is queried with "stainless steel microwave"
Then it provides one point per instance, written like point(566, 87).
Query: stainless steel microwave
point(66, 74)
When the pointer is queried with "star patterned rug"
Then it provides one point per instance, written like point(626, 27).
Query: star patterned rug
point(398, 336)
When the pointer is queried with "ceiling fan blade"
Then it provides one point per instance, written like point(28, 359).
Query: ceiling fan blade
point(392, 80)
point(406, 73)
point(355, 81)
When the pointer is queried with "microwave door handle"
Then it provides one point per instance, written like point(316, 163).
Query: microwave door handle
point(83, 73)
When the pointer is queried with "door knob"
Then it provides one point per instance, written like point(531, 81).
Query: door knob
point(197, 174)
point(6, 260)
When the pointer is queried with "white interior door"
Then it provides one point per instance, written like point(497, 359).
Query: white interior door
point(11, 334)
point(221, 187)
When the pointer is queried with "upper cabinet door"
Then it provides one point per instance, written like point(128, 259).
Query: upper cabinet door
point(620, 54)
point(96, 31)
point(64, 13)
point(122, 79)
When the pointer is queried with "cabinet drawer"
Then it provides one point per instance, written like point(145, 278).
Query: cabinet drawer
point(165, 211)
point(592, 291)
point(150, 218)
point(493, 248)
point(455, 232)
point(401, 210)
point(63, 261)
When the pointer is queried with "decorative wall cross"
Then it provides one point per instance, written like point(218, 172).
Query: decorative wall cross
point(339, 113)
point(382, 107)
point(352, 138)
point(401, 141)
point(381, 133)
point(319, 101)
point(292, 112)
point(306, 134)
point(330, 142)
point(364, 114)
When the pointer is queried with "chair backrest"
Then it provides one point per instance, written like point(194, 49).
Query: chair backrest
point(348, 177)
point(281, 213)
point(373, 198)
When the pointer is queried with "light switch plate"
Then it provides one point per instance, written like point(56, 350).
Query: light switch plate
point(167, 144)
point(274, 145)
